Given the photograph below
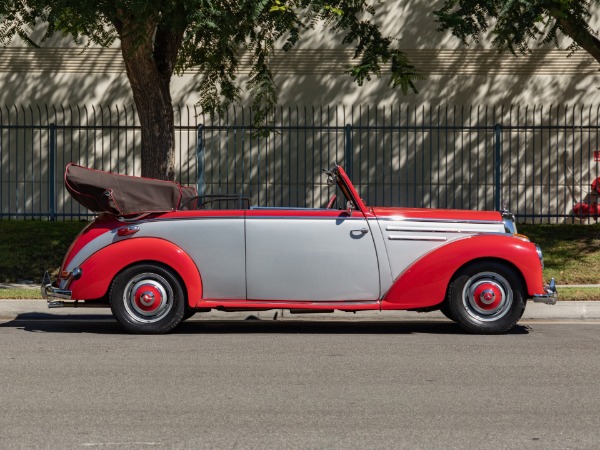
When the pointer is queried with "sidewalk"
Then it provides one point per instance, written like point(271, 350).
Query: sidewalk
point(38, 310)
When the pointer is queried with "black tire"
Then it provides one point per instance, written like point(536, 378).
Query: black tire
point(147, 298)
point(486, 298)
point(445, 309)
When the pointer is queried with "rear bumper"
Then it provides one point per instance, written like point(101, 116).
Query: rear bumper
point(551, 295)
point(60, 298)
point(50, 291)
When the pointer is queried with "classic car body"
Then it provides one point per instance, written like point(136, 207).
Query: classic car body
point(157, 264)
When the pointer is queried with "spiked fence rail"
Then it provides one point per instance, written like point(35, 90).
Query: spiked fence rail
point(537, 160)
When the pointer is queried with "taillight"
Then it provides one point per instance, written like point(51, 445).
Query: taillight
point(128, 231)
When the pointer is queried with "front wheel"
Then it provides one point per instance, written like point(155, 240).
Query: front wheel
point(147, 298)
point(486, 298)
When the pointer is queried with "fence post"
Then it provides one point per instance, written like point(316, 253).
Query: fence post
point(52, 171)
point(200, 166)
point(348, 149)
point(498, 167)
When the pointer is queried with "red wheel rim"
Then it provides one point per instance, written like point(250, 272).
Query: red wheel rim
point(487, 296)
point(148, 297)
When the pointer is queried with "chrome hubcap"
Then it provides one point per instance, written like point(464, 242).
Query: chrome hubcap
point(487, 296)
point(148, 297)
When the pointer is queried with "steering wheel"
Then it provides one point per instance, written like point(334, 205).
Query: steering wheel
point(331, 202)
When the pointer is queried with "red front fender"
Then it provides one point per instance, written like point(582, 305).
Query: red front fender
point(99, 270)
point(425, 282)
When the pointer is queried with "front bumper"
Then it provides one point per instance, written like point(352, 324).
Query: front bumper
point(551, 295)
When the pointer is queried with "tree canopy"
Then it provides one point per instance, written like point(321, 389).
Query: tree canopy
point(160, 38)
point(516, 25)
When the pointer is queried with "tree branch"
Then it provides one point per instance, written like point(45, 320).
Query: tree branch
point(580, 34)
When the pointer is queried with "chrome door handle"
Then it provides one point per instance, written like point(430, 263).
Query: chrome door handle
point(362, 230)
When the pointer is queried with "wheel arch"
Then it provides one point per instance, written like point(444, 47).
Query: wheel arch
point(101, 268)
point(156, 263)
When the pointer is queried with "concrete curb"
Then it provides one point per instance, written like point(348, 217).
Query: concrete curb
point(38, 310)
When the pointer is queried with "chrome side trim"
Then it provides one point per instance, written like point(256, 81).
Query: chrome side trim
point(305, 218)
point(393, 237)
point(249, 217)
point(173, 219)
point(284, 304)
point(437, 230)
point(411, 219)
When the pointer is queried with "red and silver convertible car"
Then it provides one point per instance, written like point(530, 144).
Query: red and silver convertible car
point(157, 253)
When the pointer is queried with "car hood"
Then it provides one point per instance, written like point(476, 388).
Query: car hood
point(460, 215)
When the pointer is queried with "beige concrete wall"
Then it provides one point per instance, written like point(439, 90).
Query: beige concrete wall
point(317, 77)
point(313, 73)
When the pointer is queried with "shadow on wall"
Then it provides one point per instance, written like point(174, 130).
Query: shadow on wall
point(62, 76)
point(456, 75)
point(33, 85)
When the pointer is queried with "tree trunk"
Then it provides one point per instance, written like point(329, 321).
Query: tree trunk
point(584, 38)
point(155, 111)
point(575, 27)
point(149, 57)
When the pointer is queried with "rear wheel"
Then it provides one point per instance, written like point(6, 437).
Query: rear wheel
point(486, 298)
point(147, 298)
point(445, 309)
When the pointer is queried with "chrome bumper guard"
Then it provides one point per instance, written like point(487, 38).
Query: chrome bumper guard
point(56, 297)
point(551, 295)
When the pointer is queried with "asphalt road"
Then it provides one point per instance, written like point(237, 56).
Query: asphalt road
point(317, 385)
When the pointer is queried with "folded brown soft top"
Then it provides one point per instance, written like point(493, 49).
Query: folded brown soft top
point(124, 195)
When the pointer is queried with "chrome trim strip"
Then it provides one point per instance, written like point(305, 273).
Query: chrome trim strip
point(393, 237)
point(436, 230)
point(284, 304)
point(171, 219)
point(249, 217)
point(304, 218)
point(405, 219)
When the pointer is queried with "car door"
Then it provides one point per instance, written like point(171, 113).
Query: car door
point(310, 255)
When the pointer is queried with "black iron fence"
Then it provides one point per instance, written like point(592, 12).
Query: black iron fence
point(539, 161)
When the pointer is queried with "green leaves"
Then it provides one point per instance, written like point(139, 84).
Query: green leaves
point(516, 25)
point(278, 6)
point(216, 37)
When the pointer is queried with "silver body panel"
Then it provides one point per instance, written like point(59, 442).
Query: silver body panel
point(316, 259)
point(217, 248)
point(215, 244)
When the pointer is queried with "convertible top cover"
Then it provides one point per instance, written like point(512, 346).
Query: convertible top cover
point(122, 195)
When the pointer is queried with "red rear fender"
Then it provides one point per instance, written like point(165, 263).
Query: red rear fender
point(100, 269)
